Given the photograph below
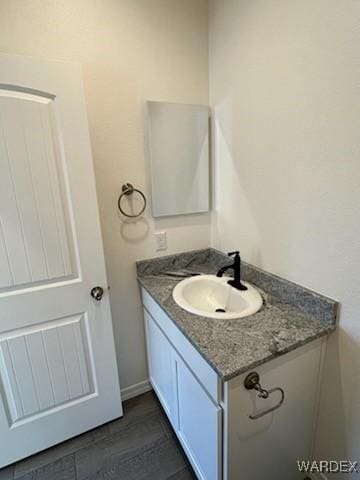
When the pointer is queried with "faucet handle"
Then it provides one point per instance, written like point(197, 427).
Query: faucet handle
point(230, 254)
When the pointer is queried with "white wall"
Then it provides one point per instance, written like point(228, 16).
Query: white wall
point(285, 88)
point(131, 50)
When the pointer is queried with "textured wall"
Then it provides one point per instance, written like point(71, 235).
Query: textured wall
point(285, 89)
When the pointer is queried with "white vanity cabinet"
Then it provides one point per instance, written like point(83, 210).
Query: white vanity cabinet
point(188, 392)
point(211, 417)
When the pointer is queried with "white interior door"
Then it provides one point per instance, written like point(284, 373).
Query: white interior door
point(58, 373)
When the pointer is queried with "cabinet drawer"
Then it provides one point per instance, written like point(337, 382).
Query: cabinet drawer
point(198, 365)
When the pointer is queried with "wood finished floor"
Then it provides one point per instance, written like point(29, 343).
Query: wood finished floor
point(140, 445)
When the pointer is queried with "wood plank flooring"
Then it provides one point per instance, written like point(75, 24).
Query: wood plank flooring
point(140, 445)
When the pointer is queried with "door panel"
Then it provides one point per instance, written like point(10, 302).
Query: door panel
point(34, 233)
point(58, 372)
point(45, 366)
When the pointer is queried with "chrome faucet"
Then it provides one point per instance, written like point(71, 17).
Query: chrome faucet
point(236, 267)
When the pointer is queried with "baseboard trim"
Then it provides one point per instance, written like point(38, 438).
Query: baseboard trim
point(135, 390)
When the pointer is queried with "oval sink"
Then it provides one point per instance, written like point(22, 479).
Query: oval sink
point(211, 296)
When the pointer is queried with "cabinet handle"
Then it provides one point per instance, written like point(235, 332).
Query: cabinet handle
point(252, 381)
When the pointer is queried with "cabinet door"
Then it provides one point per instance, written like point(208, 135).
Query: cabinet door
point(199, 424)
point(160, 363)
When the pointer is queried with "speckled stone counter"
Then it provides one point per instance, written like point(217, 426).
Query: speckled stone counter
point(291, 315)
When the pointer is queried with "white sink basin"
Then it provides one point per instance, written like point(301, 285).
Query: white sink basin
point(205, 294)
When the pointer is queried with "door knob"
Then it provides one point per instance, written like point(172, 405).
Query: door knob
point(97, 293)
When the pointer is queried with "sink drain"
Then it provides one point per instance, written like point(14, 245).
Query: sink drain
point(220, 310)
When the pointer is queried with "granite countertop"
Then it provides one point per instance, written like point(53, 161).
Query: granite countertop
point(291, 315)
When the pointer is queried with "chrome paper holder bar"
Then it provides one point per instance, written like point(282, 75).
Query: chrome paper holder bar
point(252, 382)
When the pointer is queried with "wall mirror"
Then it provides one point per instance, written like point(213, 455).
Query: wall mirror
point(178, 150)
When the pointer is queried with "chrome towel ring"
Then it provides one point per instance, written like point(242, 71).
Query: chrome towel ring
point(128, 189)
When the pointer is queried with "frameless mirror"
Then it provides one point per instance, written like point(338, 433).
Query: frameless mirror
point(178, 147)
